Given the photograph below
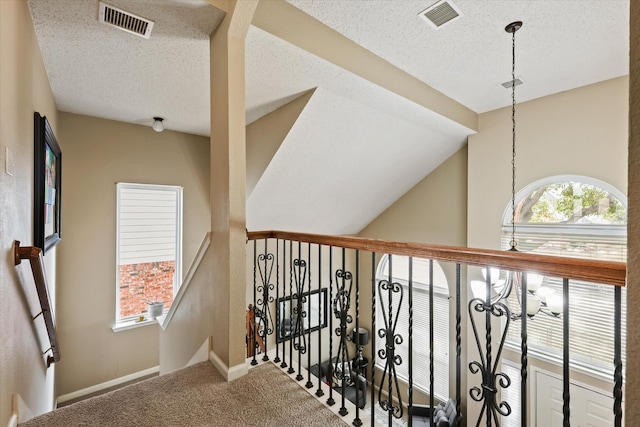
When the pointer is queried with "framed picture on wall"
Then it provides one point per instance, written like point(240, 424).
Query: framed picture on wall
point(47, 169)
point(314, 305)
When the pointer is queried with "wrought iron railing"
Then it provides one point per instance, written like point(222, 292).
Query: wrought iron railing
point(290, 269)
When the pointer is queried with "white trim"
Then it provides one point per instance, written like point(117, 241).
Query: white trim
point(202, 250)
point(132, 324)
point(18, 407)
point(108, 384)
point(229, 374)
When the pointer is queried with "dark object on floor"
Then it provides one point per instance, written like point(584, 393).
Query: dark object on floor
point(443, 416)
point(325, 374)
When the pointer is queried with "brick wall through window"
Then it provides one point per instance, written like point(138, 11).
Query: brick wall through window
point(141, 283)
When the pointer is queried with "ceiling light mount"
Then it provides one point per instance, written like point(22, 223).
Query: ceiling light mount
point(513, 27)
point(158, 124)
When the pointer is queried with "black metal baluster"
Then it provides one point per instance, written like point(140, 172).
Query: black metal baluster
point(390, 317)
point(617, 360)
point(488, 378)
point(431, 349)
point(282, 305)
point(277, 359)
point(566, 411)
point(458, 343)
point(291, 328)
point(309, 384)
point(410, 343)
point(253, 308)
point(357, 369)
point(330, 400)
point(523, 354)
point(323, 304)
point(373, 338)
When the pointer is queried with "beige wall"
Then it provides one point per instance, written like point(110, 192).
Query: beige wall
point(24, 88)
point(578, 132)
point(97, 154)
point(632, 396)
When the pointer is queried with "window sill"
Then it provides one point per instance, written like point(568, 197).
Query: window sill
point(133, 324)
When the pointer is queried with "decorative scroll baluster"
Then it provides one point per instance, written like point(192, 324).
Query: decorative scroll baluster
point(388, 353)
point(299, 272)
point(341, 304)
point(487, 392)
point(617, 359)
point(265, 268)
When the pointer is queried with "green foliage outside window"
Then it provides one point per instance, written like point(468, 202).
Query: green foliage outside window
point(571, 203)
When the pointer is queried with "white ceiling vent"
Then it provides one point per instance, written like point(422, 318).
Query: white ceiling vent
point(440, 13)
point(507, 85)
point(125, 21)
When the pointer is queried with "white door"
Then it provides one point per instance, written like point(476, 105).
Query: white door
point(589, 408)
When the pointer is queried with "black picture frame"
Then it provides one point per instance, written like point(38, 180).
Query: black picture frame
point(285, 322)
point(47, 182)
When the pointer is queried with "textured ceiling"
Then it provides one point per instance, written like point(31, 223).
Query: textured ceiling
point(356, 147)
point(562, 45)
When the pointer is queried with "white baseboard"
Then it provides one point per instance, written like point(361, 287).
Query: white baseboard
point(108, 384)
point(229, 374)
point(20, 412)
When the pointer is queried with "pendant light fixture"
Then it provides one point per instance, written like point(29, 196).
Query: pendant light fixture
point(538, 298)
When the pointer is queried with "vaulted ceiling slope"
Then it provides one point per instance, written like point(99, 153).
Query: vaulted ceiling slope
point(362, 139)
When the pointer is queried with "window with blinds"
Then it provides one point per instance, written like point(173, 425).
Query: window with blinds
point(421, 348)
point(573, 219)
point(149, 247)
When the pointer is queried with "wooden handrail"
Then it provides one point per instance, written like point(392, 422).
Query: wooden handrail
point(605, 272)
point(34, 255)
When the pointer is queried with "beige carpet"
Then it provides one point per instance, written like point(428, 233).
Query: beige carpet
point(199, 396)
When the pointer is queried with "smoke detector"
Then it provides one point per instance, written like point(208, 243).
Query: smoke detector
point(125, 21)
point(440, 13)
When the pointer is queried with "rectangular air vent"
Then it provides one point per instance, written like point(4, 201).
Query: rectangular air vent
point(125, 21)
point(507, 84)
point(440, 13)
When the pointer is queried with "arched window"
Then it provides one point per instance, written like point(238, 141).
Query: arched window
point(421, 349)
point(572, 217)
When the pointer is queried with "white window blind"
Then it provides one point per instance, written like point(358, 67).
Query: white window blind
point(421, 347)
point(148, 228)
point(591, 305)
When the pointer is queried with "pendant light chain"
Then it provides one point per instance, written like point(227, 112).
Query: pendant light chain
point(513, 242)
